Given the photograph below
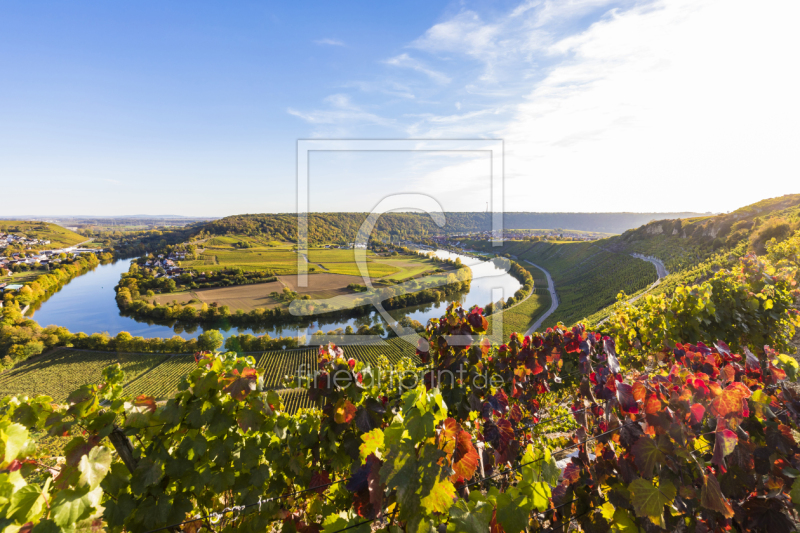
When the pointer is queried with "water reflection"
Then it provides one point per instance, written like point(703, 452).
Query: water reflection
point(86, 304)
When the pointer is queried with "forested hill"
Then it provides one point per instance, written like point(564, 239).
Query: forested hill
point(343, 227)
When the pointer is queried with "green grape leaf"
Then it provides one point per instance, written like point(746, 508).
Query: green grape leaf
point(147, 473)
point(623, 522)
point(512, 513)
point(14, 437)
point(711, 497)
point(94, 466)
point(470, 517)
point(248, 419)
point(541, 495)
point(69, 506)
point(795, 493)
point(649, 500)
point(647, 455)
point(27, 504)
point(420, 426)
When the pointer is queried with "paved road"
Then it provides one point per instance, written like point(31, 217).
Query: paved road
point(553, 300)
point(661, 270)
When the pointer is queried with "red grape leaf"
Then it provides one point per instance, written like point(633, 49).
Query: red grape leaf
point(240, 385)
point(698, 412)
point(626, 399)
point(344, 412)
point(724, 444)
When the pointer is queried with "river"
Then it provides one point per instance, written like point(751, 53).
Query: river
point(87, 304)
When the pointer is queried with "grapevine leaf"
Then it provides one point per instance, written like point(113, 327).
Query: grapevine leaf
point(639, 391)
point(457, 444)
point(626, 398)
point(623, 522)
point(147, 473)
point(649, 500)
point(69, 506)
point(344, 412)
point(698, 412)
point(366, 420)
point(541, 495)
point(13, 437)
point(440, 497)
point(730, 401)
point(512, 513)
point(373, 442)
point(711, 497)
point(647, 455)
point(248, 419)
point(613, 363)
point(206, 383)
point(28, 502)
point(94, 466)
point(239, 385)
point(724, 444)
point(472, 517)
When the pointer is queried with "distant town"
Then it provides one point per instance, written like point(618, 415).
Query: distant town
point(30, 258)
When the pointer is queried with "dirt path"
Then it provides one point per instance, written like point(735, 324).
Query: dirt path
point(553, 300)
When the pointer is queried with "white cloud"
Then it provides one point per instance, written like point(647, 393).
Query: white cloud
point(406, 61)
point(657, 105)
point(341, 117)
point(329, 42)
point(674, 105)
point(388, 87)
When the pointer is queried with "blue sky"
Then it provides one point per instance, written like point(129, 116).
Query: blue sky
point(195, 108)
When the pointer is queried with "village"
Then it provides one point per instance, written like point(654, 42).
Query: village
point(31, 259)
point(511, 235)
point(166, 266)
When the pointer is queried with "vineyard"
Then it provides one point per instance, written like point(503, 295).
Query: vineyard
point(60, 372)
point(588, 278)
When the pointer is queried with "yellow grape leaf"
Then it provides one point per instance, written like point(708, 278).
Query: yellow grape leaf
point(440, 498)
point(373, 442)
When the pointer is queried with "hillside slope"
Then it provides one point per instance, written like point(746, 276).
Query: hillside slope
point(588, 276)
point(58, 236)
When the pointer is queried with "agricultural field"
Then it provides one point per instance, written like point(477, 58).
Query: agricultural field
point(244, 297)
point(58, 236)
point(251, 254)
point(64, 370)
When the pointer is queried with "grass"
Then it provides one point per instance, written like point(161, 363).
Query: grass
point(519, 318)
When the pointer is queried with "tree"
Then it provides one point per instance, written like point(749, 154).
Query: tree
point(210, 340)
